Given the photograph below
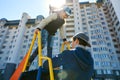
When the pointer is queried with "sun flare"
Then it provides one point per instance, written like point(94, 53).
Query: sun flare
point(57, 3)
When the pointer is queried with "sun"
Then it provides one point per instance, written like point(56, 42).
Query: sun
point(57, 3)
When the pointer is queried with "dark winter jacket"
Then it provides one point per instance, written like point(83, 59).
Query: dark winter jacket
point(77, 64)
point(54, 25)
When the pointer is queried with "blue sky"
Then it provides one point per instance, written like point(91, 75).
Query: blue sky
point(13, 9)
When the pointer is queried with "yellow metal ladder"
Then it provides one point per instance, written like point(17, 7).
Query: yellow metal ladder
point(40, 58)
point(63, 45)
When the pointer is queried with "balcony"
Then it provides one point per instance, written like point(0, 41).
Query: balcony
point(69, 33)
point(69, 29)
point(70, 19)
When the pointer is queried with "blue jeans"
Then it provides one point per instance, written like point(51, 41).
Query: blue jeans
point(47, 39)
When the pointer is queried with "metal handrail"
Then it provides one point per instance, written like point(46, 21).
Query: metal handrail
point(63, 45)
point(40, 57)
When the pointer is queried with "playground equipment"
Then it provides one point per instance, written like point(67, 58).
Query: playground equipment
point(22, 66)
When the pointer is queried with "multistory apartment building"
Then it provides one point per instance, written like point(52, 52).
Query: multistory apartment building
point(94, 23)
point(90, 18)
point(112, 14)
point(15, 40)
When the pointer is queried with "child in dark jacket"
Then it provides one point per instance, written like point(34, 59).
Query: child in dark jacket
point(77, 64)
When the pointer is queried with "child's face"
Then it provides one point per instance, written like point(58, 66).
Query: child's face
point(64, 15)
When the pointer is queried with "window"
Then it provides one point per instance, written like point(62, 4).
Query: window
point(31, 34)
point(11, 51)
point(30, 39)
point(55, 38)
point(96, 56)
point(102, 18)
point(8, 52)
point(82, 14)
point(100, 14)
point(15, 32)
point(1, 52)
point(7, 36)
point(25, 41)
point(107, 38)
point(109, 72)
point(84, 28)
point(117, 23)
point(104, 28)
point(55, 44)
point(88, 13)
point(93, 37)
point(27, 31)
point(99, 72)
point(104, 71)
point(82, 10)
point(6, 58)
point(28, 44)
point(24, 46)
point(114, 65)
point(13, 46)
point(90, 22)
point(95, 49)
point(117, 73)
point(89, 17)
point(21, 57)
point(88, 9)
point(86, 33)
point(32, 30)
point(119, 29)
point(94, 17)
point(4, 64)
point(108, 44)
point(16, 35)
point(3, 47)
point(83, 23)
point(83, 19)
point(96, 21)
point(91, 26)
point(9, 58)
point(94, 43)
point(103, 23)
point(26, 36)
point(13, 37)
point(110, 50)
point(10, 46)
point(3, 31)
point(1, 35)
